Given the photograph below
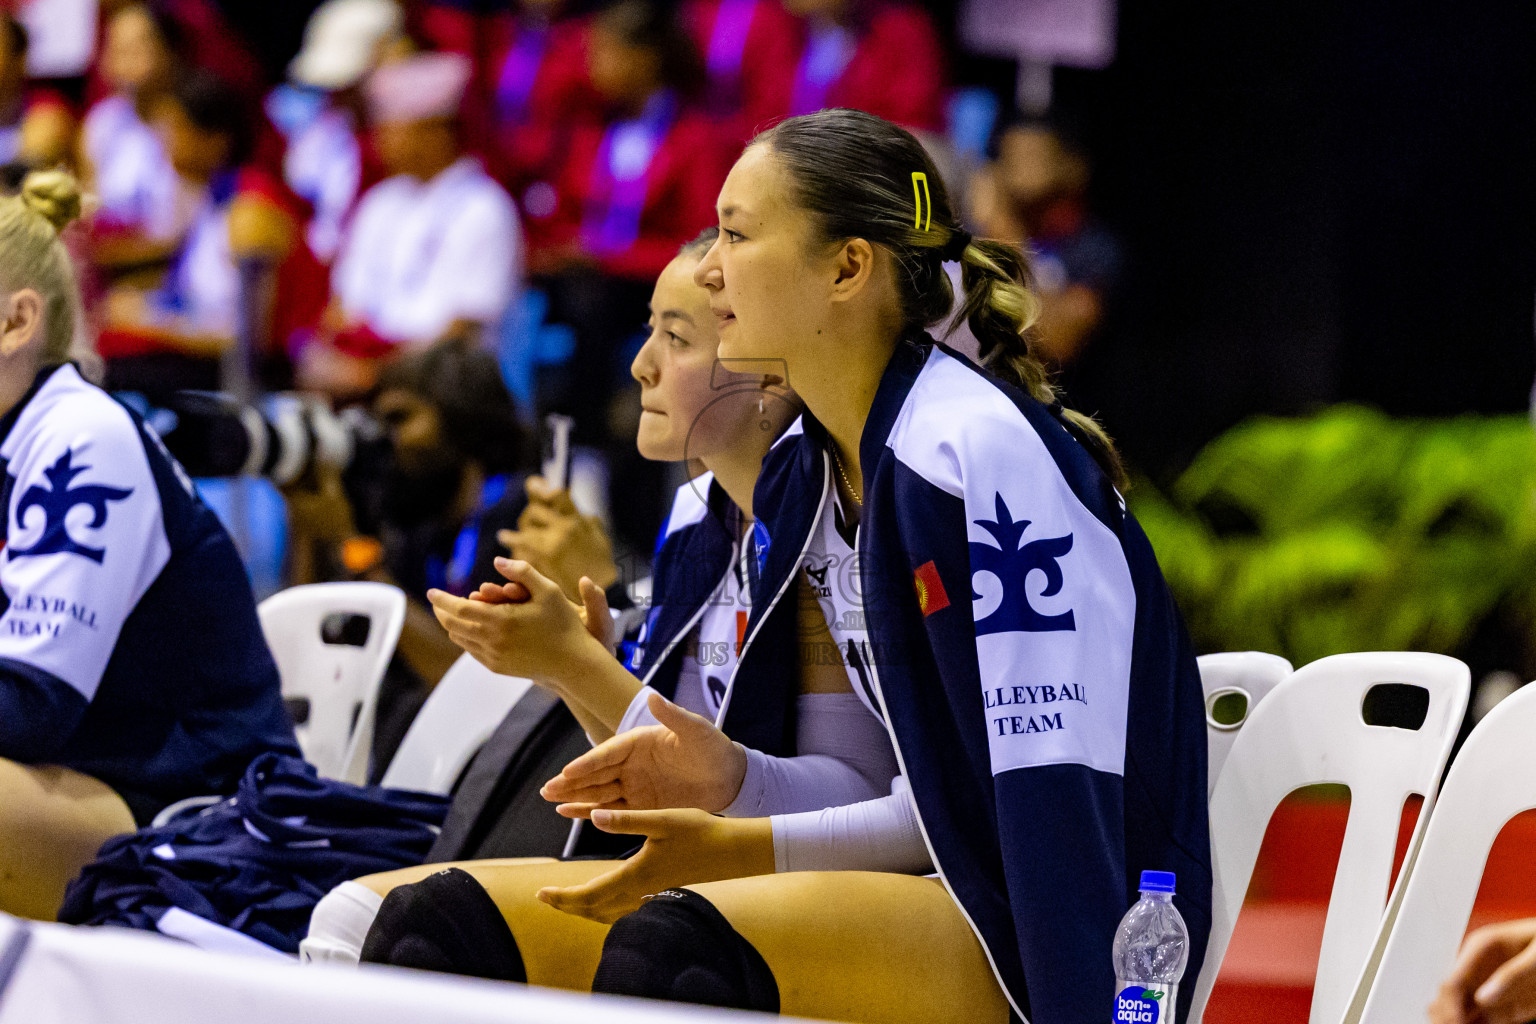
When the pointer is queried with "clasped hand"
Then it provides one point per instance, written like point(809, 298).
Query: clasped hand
point(524, 627)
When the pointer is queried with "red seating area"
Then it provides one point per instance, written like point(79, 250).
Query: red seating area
point(1267, 976)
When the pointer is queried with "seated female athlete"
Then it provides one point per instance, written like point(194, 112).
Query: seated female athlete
point(1048, 726)
point(804, 740)
point(133, 671)
point(1011, 625)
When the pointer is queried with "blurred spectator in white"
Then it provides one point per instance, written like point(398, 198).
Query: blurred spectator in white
point(434, 251)
point(62, 36)
point(141, 211)
point(37, 128)
point(173, 336)
point(328, 162)
point(1035, 192)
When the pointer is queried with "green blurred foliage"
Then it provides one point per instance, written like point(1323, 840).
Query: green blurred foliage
point(1350, 531)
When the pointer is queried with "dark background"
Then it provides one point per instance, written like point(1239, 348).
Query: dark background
point(1321, 201)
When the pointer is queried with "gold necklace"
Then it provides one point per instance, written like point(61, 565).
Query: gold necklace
point(846, 482)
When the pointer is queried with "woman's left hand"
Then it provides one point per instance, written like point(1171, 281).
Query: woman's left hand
point(682, 847)
point(537, 637)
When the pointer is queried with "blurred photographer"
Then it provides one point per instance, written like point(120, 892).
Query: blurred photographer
point(428, 517)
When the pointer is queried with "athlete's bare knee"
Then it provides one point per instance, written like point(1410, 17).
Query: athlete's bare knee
point(52, 822)
point(384, 881)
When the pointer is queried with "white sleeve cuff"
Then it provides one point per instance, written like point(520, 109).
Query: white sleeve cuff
point(638, 713)
point(873, 835)
point(754, 787)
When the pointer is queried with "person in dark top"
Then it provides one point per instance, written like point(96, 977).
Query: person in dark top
point(428, 517)
point(1034, 193)
point(133, 670)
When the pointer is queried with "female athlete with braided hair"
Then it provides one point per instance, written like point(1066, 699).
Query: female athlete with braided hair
point(990, 600)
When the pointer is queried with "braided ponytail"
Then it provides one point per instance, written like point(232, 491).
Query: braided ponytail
point(1001, 308)
point(862, 177)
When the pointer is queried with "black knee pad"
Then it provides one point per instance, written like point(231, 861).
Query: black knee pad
point(446, 922)
point(679, 947)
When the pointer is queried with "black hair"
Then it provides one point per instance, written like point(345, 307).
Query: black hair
point(861, 176)
point(173, 35)
point(700, 243)
point(17, 35)
point(465, 386)
point(656, 26)
point(215, 107)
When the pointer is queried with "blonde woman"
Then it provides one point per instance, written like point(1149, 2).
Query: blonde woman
point(133, 672)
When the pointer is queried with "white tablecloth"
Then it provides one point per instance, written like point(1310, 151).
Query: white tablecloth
point(68, 975)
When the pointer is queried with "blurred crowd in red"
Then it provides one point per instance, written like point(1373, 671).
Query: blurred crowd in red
point(513, 176)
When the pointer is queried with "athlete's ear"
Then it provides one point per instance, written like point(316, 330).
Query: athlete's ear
point(855, 264)
point(23, 320)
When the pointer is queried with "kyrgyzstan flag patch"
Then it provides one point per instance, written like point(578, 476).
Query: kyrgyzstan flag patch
point(930, 589)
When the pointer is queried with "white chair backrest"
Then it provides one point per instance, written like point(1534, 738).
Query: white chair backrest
point(340, 681)
point(1310, 730)
point(1489, 783)
point(462, 711)
point(1236, 677)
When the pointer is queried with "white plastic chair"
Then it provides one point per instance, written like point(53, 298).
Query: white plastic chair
point(463, 711)
point(340, 681)
point(1310, 730)
point(459, 716)
point(1489, 783)
point(1246, 674)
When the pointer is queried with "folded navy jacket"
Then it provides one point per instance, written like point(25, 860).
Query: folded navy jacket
point(259, 861)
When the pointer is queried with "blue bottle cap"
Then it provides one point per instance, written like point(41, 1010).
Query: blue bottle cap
point(1157, 881)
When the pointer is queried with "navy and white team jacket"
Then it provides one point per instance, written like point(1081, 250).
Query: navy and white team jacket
point(129, 644)
point(1031, 666)
point(692, 556)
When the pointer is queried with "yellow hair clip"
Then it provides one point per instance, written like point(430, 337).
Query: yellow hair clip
point(920, 197)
